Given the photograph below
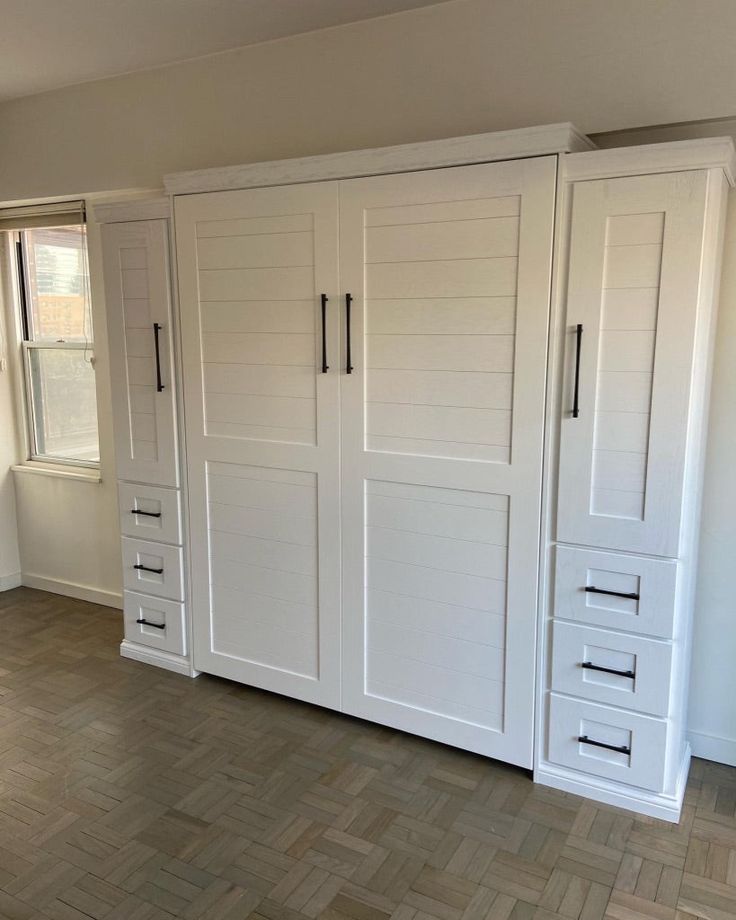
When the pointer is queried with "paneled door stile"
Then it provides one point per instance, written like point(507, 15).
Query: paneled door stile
point(262, 434)
point(442, 431)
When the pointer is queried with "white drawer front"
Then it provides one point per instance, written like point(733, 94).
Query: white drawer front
point(654, 581)
point(153, 568)
point(155, 622)
point(641, 740)
point(583, 660)
point(150, 512)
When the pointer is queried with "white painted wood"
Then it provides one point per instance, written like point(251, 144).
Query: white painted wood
point(442, 449)
point(648, 659)
point(262, 435)
point(455, 151)
point(132, 210)
point(162, 613)
point(570, 719)
point(622, 463)
point(137, 295)
point(675, 156)
point(157, 658)
point(167, 583)
point(153, 500)
point(654, 580)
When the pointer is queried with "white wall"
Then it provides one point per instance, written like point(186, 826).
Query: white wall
point(68, 531)
point(457, 68)
point(9, 554)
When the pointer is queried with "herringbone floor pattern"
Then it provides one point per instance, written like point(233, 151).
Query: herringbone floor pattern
point(128, 793)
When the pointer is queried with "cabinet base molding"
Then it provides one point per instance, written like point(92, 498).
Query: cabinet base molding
point(713, 747)
point(157, 658)
point(664, 807)
point(73, 589)
point(8, 582)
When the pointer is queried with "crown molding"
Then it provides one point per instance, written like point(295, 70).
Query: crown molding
point(674, 156)
point(133, 209)
point(455, 151)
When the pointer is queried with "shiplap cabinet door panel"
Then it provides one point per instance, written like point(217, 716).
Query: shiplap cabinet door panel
point(442, 431)
point(262, 435)
point(634, 275)
point(137, 295)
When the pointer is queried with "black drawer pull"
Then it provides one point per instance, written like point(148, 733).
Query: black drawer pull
point(630, 595)
point(576, 394)
point(348, 347)
point(145, 568)
point(157, 327)
point(619, 749)
point(155, 625)
point(325, 366)
point(589, 666)
point(145, 513)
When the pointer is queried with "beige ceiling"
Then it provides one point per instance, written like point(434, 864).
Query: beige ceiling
point(46, 44)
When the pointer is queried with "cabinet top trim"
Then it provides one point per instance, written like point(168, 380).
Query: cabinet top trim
point(676, 156)
point(135, 209)
point(454, 151)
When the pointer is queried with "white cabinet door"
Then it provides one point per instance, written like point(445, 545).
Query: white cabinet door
point(633, 282)
point(442, 429)
point(138, 299)
point(262, 435)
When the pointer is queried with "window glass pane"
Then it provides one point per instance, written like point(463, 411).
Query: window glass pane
point(57, 284)
point(64, 405)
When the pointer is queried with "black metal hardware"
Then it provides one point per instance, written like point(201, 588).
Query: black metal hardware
point(155, 625)
point(348, 358)
point(145, 568)
point(589, 666)
point(619, 749)
point(576, 394)
point(325, 365)
point(630, 595)
point(156, 329)
point(145, 513)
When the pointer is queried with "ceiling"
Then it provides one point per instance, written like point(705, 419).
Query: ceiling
point(46, 44)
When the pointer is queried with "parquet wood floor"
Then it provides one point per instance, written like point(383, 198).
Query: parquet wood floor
point(129, 793)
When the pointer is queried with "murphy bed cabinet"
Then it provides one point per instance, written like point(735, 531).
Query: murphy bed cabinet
point(444, 408)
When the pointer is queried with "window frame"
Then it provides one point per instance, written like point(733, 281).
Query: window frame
point(18, 244)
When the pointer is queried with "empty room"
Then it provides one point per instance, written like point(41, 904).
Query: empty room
point(367, 449)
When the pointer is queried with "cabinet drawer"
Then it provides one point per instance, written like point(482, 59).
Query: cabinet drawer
point(583, 660)
point(589, 585)
point(620, 746)
point(153, 568)
point(150, 512)
point(154, 622)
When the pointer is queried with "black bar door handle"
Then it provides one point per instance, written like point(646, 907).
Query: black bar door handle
point(576, 391)
point(155, 625)
point(589, 666)
point(619, 749)
point(145, 568)
point(156, 329)
point(348, 352)
point(145, 513)
point(325, 365)
point(630, 595)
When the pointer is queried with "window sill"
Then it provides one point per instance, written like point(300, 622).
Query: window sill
point(62, 471)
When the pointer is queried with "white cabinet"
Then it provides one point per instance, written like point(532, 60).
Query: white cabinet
point(637, 319)
point(263, 434)
point(140, 317)
point(394, 395)
point(442, 430)
point(137, 294)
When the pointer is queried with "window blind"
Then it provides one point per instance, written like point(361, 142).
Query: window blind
point(59, 214)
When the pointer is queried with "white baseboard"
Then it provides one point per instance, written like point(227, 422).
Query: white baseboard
point(72, 589)
point(664, 807)
point(712, 747)
point(8, 582)
point(157, 658)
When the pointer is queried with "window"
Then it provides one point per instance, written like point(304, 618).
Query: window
point(55, 322)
